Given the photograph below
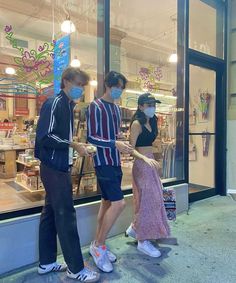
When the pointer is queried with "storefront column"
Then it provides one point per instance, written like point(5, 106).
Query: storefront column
point(231, 123)
point(116, 37)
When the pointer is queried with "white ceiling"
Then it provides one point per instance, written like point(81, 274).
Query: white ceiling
point(151, 22)
point(149, 27)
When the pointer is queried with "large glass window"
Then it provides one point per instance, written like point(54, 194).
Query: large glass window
point(33, 36)
point(146, 45)
point(143, 47)
point(206, 26)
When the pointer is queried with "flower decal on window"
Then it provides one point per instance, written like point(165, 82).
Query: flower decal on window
point(35, 64)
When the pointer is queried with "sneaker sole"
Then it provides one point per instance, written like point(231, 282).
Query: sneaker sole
point(143, 251)
point(110, 260)
point(88, 281)
point(51, 271)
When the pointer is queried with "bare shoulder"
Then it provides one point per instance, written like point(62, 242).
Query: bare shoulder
point(136, 126)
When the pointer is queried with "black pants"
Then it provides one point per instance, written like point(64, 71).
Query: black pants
point(59, 217)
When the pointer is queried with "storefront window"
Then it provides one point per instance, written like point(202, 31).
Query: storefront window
point(207, 16)
point(34, 35)
point(143, 47)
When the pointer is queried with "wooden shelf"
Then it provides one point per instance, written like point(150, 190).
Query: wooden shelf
point(28, 189)
point(25, 164)
point(9, 164)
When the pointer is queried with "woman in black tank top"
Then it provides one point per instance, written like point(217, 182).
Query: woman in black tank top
point(150, 219)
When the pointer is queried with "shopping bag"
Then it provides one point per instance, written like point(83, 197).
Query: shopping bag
point(170, 203)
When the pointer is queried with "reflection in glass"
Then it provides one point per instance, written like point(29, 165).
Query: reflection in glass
point(144, 48)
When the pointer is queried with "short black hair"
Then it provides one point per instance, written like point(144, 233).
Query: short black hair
point(112, 79)
point(70, 73)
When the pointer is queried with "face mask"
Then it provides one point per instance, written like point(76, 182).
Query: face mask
point(76, 92)
point(150, 111)
point(116, 92)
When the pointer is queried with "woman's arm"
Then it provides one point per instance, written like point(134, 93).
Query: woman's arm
point(135, 131)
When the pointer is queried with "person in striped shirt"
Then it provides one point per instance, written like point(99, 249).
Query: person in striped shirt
point(103, 126)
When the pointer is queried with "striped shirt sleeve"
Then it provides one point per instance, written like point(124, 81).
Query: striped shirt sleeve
point(93, 124)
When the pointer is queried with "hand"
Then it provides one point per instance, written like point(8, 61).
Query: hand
point(91, 149)
point(151, 162)
point(80, 148)
point(124, 147)
point(120, 136)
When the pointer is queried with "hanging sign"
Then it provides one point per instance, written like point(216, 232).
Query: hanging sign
point(21, 112)
point(61, 60)
point(7, 126)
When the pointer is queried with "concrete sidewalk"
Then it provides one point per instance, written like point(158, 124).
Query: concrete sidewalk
point(205, 253)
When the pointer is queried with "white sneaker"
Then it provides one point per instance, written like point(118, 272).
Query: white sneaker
point(148, 248)
point(130, 232)
point(85, 275)
point(53, 267)
point(112, 257)
point(100, 258)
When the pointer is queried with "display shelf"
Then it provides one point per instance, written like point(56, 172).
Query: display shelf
point(26, 164)
point(9, 164)
point(28, 189)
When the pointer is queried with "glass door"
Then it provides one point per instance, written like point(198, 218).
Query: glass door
point(206, 99)
point(202, 134)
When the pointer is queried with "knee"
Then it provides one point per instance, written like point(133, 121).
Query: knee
point(119, 205)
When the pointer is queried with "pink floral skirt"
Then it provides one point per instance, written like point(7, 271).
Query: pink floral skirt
point(150, 219)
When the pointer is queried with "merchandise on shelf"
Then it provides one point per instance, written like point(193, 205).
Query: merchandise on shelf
point(28, 158)
point(29, 178)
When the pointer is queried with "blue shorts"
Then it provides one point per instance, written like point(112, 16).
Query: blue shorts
point(109, 180)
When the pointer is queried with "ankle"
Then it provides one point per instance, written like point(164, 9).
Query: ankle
point(98, 243)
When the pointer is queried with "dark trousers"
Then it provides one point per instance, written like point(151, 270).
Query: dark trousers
point(59, 218)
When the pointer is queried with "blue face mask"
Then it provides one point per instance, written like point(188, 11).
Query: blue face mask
point(76, 92)
point(116, 92)
point(150, 111)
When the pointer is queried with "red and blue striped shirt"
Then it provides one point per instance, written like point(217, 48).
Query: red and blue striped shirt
point(103, 127)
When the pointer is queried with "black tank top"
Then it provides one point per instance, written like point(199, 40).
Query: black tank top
point(146, 138)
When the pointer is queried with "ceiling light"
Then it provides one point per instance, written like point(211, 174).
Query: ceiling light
point(173, 58)
point(93, 83)
point(75, 63)
point(10, 71)
point(67, 26)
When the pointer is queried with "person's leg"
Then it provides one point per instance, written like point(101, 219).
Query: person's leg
point(109, 179)
point(47, 236)
point(65, 218)
point(131, 231)
point(47, 230)
point(109, 220)
point(105, 204)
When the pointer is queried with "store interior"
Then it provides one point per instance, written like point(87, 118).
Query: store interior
point(143, 47)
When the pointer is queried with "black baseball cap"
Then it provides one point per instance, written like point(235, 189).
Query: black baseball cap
point(147, 98)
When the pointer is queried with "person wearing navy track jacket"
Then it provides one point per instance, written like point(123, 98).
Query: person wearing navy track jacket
point(54, 148)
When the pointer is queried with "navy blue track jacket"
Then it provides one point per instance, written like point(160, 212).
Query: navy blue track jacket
point(53, 132)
